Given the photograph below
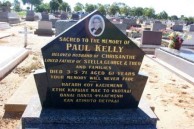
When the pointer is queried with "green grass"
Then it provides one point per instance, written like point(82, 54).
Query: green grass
point(22, 13)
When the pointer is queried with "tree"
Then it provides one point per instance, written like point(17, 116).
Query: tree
point(106, 7)
point(125, 10)
point(5, 6)
point(190, 20)
point(101, 9)
point(149, 12)
point(162, 15)
point(114, 8)
point(32, 2)
point(17, 7)
point(54, 4)
point(90, 8)
point(65, 7)
point(174, 17)
point(43, 7)
point(136, 11)
point(78, 7)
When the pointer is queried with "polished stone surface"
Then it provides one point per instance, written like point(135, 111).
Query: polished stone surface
point(36, 117)
point(91, 69)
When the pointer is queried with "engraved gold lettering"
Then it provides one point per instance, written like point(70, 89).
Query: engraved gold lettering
point(75, 90)
point(121, 90)
point(88, 84)
point(97, 73)
point(114, 56)
point(94, 78)
point(80, 67)
point(68, 100)
point(51, 60)
point(67, 95)
point(126, 73)
point(110, 41)
point(58, 89)
point(111, 78)
point(85, 100)
point(127, 79)
point(84, 95)
point(95, 40)
point(95, 90)
point(76, 47)
point(57, 76)
point(99, 67)
point(108, 100)
point(111, 85)
point(72, 84)
point(66, 61)
point(135, 63)
point(103, 62)
point(77, 77)
point(69, 39)
point(101, 48)
point(108, 95)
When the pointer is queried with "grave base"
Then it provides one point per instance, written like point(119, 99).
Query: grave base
point(14, 20)
point(44, 32)
point(4, 25)
point(148, 49)
point(30, 18)
point(176, 59)
point(36, 117)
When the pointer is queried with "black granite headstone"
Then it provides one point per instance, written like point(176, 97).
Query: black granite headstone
point(91, 65)
point(75, 16)
point(45, 16)
point(30, 15)
point(63, 16)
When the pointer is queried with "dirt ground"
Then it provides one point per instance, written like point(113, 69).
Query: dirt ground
point(171, 96)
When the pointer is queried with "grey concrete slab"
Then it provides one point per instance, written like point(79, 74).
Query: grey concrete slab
point(179, 65)
point(9, 58)
point(4, 25)
point(19, 100)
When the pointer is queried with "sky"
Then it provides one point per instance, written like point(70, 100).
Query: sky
point(172, 7)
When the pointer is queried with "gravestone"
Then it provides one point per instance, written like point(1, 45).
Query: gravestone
point(53, 21)
point(38, 16)
point(45, 16)
point(9, 17)
point(13, 18)
point(151, 38)
point(91, 71)
point(57, 14)
point(3, 16)
point(130, 22)
point(177, 28)
point(62, 25)
point(63, 16)
point(30, 15)
point(189, 42)
point(44, 28)
point(121, 26)
point(191, 28)
point(82, 15)
point(5, 8)
point(157, 26)
point(75, 16)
